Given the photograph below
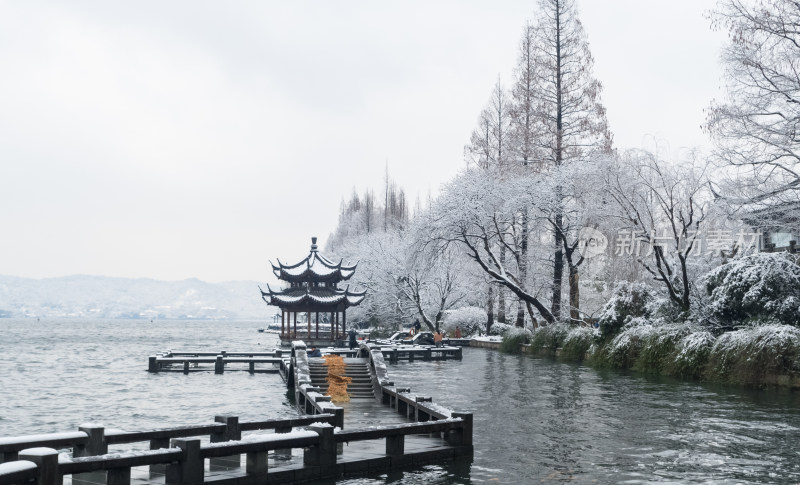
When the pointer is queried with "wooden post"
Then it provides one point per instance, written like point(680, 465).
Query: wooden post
point(256, 462)
point(219, 365)
point(317, 318)
point(308, 320)
point(231, 432)
point(185, 366)
point(96, 445)
point(295, 325)
point(118, 476)
point(323, 454)
point(395, 445)
point(283, 317)
point(189, 469)
point(344, 322)
point(46, 460)
point(157, 444)
point(465, 436)
point(421, 415)
point(232, 429)
point(152, 364)
point(284, 451)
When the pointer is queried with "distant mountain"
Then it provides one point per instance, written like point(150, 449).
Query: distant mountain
point(105, 297)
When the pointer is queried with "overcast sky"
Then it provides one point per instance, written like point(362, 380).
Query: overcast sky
point(183, 139)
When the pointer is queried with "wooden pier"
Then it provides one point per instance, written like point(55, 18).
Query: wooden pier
point(229, 452)
point(222, 361)
point(189, 361)
point(35, 459)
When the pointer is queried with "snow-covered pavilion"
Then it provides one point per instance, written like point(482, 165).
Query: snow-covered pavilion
point(314, 291)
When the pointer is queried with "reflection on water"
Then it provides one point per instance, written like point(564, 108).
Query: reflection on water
point(542, 421)
point(536, 421)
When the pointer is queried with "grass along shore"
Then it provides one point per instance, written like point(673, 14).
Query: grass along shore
point(761, 356)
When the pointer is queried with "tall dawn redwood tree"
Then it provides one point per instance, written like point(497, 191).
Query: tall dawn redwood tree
point(569, 120)
point(755, 128)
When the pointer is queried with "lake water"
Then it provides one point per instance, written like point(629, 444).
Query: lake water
point(536, 420)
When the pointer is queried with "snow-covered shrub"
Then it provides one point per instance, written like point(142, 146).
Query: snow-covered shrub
point(513, 338)
point(500, 329)
point(759, 288)
point(577, 343)
point(659, 346)
point(644, 346)
point(628, 301)
point(550, 337)
point(692, 355)
point(623, 350)
point(469, 319)
point(747, 356)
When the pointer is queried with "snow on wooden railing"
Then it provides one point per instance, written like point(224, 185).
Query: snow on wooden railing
point(416, 408)
point(94, 439)
point(190, 360)
point(185, 457)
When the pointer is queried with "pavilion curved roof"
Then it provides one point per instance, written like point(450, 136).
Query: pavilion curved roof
point(315, 267)
point(312, 296)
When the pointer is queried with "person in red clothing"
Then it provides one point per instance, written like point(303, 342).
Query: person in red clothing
point(458, 332)
point(437, 338)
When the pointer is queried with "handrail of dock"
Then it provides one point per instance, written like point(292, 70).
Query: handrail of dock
point(190, 360)
point(184, 458)
point(93, 439)
point(395, 352)
point(414, 407)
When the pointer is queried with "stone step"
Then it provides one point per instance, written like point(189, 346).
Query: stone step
point(349, 389)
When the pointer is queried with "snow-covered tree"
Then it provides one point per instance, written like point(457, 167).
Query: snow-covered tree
point(555, 83)
point(756, 126)
point(664, 206)
point(759, 288)
point(478, 211)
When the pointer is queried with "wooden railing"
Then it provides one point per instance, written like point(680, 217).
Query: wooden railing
point(188, 361)
point(414, 407)
point(94, 440)
point(185, 457)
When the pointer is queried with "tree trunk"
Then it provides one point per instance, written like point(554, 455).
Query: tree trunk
point(574, 295)
point(490, 309)
point(501, 292)
point(558, 271)
point(523, 266)
point(520, 314)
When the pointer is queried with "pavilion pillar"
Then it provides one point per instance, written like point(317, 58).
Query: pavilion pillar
point(317, 319)
point(344, 322)
point(308, 319)
point(283, 318)
point(295, 325)
point(332, 317)
point(337, 324)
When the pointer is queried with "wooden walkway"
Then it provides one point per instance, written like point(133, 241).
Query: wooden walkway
point(331, 442)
